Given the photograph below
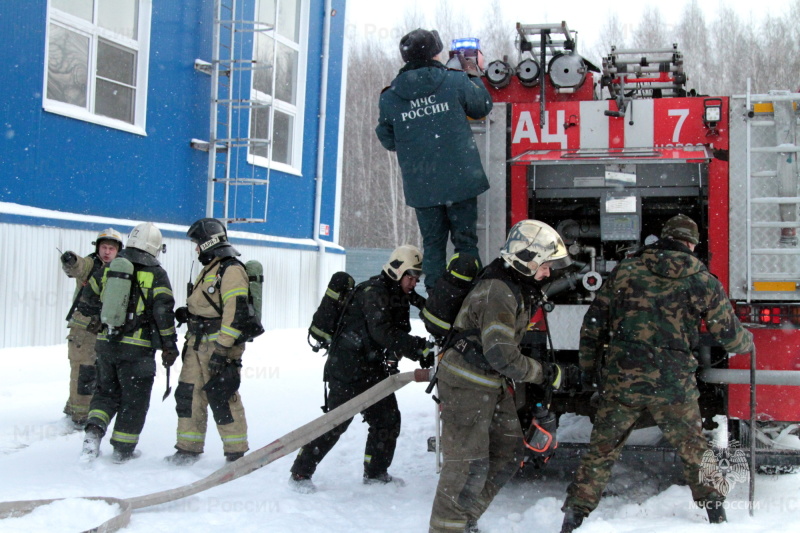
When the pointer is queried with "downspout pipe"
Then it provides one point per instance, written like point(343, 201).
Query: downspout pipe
point(323, 104)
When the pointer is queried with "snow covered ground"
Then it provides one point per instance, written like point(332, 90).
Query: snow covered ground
point(282, 390)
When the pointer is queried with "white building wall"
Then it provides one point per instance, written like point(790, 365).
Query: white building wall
point(35, 294)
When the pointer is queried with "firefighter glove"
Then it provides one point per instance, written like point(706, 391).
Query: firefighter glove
point(169, 353)
point(425, 354)
point(182, 315)
point(68, 259)
point(390, 362)
point(219, 359)
point(553, 375)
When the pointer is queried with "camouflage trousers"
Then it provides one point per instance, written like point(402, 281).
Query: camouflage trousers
point(482, 444)
point(80, 350)
point(192, 403)
point(681, 426)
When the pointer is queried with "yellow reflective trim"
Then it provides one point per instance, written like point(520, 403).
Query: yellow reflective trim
point(129, 438)
point(232, 293)
point(455, 525)
point(235, 438)
point(162, 290)
point(459, 276)
point(319, 332)
point(93, 285)
point(472, 376)
point(330, 293)
point(102, 415)
point(436, 320)
point(233, 332)
point(192, 437)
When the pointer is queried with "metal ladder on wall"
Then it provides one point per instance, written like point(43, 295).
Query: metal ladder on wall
point(784, 122)
point(230, 168)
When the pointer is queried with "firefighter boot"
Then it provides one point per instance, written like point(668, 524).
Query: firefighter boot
point(384, 478)
point(233, 456)
point(91, 444)
point(120, 456)
point(716, 511)
point(182, 458)
point(302, 484)
point(572, 520)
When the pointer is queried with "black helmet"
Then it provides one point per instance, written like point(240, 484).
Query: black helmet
point(211, 237)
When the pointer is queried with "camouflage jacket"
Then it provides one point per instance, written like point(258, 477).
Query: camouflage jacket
point(648, 314)
point(499, 316)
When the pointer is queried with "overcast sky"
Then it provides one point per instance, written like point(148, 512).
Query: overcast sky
point(370, 17)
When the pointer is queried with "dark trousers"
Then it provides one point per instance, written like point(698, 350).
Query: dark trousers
point(384, 428)
point(125, 377)
point(458, 222)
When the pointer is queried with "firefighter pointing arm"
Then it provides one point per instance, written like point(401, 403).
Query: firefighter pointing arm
point(84, 321)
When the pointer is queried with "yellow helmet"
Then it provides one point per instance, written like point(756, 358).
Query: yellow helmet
point(108, 234)
point(531, 243)
point(405, 258)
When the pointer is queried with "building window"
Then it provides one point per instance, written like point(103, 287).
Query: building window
point(97, 59)
point(278, 84)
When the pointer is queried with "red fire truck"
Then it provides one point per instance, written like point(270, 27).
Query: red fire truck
point(606, 155)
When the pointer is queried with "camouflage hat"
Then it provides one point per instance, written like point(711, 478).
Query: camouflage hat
point(682, 228)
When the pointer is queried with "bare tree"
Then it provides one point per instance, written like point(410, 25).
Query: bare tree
point(612, 33)
point(692, 37)
point(652, 31)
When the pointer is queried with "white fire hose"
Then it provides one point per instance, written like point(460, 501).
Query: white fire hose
point(249, 463)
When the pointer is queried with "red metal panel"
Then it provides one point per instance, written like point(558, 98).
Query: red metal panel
point(777, 349)
point(516, 93)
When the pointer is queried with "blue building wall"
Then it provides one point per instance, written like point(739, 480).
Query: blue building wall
point(55, 162)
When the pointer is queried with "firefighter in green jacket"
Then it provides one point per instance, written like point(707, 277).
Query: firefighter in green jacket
point(84, 322)
point(126, 364)
point(481, 432)
point(212, 360)
point(648, 316)
point(424, 117)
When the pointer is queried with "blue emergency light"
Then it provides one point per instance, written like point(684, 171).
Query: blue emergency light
point(467, 43)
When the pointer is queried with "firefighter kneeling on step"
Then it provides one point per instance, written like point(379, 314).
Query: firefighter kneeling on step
point(372, 336)
point(481, 434)
point(212, 358)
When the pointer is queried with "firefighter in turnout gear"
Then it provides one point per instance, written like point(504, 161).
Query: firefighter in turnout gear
point(482, 438)
point(212, 359)
point(84, 321)
point(373, 335)
point(645, 325)
point(126, 364)
point(424, 117)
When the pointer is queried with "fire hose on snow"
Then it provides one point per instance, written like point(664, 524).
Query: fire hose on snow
point(285, 445)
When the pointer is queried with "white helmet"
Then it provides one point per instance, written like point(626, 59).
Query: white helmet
point(108, 234)
point(404, 259)
point(531, 243)
point(145, 237)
